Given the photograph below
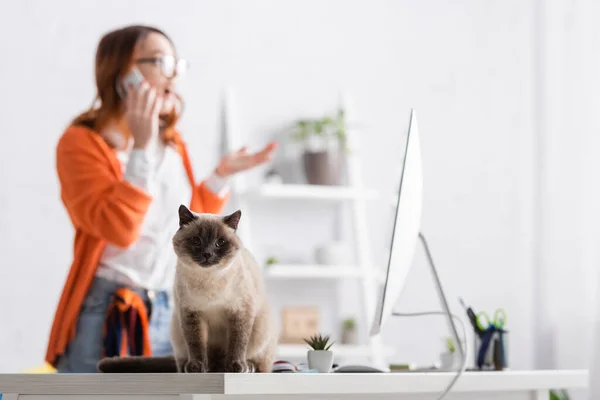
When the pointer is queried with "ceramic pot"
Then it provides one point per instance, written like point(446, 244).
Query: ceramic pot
point(349, 336)
point(447, 360)
point(322, 167)
point(320, 360)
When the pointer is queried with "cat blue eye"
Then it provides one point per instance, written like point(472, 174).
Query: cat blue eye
point(196, 240)
point(220, 242)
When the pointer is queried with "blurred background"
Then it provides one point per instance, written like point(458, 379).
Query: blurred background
point(507, 95)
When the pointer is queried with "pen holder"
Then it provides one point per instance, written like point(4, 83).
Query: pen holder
point(491, 350)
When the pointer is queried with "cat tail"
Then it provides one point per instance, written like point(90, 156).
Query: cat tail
point(137, 364)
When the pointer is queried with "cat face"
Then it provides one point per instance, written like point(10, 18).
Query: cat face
point(206, 240)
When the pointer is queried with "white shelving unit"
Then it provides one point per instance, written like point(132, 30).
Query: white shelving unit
point(307, 192)
point(308, 271)
point(316, 271)
point(354, 194)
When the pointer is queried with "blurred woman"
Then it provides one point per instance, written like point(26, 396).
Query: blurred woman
point(124, 170)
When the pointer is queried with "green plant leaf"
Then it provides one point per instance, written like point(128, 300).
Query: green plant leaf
point(333, 126)
point(559, 395)
point(450, 345)
point(318, 342)
point(349, 323)
point(272, 260)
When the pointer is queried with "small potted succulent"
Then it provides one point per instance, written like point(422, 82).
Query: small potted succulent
point(271, 261)
point(349, 331)
point(447, 357)
point(320, 358)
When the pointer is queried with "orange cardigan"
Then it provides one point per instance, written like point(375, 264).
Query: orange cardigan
point(102, 208)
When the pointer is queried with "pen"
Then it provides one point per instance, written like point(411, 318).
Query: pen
point(472, 318)
point(498, 366)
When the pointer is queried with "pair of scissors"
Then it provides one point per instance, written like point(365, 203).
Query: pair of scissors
point(498, 321)
point(491, 327)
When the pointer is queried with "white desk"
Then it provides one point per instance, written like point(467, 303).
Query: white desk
point(513, 385)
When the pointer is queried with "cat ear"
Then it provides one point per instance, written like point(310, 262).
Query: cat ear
point(233, 220)
point(185, 216)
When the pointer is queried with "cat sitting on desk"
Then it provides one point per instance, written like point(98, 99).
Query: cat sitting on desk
point(221, 318)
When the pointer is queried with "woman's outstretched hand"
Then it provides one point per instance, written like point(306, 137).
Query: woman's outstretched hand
point(240, 160)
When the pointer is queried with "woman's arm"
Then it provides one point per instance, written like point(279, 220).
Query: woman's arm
point(96, 200)
point(213, 192)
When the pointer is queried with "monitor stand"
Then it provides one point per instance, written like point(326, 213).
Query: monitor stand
point(442, 296)
point(445, 311)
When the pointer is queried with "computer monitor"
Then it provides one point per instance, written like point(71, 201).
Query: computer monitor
point(405, 234)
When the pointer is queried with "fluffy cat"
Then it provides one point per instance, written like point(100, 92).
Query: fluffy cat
point(221, 318)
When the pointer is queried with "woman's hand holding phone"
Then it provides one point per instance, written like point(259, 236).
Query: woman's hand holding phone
point(142, 107)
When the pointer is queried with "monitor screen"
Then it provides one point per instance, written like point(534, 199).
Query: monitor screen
point(406, 226)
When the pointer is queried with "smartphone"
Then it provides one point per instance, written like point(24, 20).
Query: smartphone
point(133, 78)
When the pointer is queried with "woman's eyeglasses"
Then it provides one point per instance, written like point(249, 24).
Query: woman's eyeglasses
point(169, 65)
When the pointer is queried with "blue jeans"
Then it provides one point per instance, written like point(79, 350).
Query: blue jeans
point(85, 350)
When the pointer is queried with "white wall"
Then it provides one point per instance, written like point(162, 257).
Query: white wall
point(567, 312)
point(466, 66)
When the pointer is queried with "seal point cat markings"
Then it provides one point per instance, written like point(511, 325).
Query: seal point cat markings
point(221, 321)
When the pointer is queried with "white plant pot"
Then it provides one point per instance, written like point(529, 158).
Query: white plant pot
point(447, 360)
point(349, 336)
point(320, 360)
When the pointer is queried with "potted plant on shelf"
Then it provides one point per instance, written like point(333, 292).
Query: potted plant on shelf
point(349, 331)
point(447, 357)
point(320, 357)
point(559, 395)
point(271, 261)
point(324, 142)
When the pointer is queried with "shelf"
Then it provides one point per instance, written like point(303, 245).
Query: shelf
point(340, 350)
point(296, 271)
point(308, 192)
point(310, 271)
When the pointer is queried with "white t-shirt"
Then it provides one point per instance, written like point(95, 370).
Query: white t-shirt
point(150, 261)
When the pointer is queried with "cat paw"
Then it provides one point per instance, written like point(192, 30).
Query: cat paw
point(180, 364)
point(240, 366)
point(251, 367)
point(194, 366)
